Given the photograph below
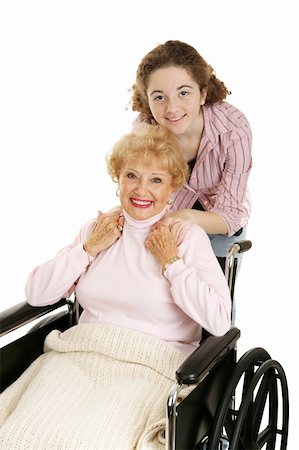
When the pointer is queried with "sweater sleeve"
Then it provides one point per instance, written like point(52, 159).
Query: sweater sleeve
point(198, 285)
point(56, 278)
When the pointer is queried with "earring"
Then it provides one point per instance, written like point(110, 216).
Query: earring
point(169, 201)
point(117, 192)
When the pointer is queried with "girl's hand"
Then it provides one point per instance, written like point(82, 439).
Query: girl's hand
point(209, 221)
point(105, 231)
point(162, 244)
point(179, 223)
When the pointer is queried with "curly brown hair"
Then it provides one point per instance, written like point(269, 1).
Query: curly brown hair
point(149, 143)
point(180, 54)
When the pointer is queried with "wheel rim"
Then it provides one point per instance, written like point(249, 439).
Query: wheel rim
point(269, 373)
point(247, 435)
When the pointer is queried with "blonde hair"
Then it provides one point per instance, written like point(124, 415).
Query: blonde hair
point(149, 143)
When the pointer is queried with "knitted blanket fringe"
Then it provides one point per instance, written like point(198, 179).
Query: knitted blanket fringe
point(96, 387)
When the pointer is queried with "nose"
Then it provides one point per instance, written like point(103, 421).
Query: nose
point(141, 188)
point(171, 106)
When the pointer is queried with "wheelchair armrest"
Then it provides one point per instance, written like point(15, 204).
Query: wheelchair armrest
point(22, 313)
point(210, 352)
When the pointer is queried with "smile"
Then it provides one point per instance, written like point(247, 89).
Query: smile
point(175, 119)
point(141, 203)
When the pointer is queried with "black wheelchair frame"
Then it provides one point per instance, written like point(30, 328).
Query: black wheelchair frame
point(235, 404)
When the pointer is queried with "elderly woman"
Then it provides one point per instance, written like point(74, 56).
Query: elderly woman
point(146, 293)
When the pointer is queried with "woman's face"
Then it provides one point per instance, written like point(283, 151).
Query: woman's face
point(175, 100)
point(144, 188)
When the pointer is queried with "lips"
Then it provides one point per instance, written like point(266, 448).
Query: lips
point(175, 119)
point(138, 203)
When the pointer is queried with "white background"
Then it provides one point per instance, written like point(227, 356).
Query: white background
point(66, 67)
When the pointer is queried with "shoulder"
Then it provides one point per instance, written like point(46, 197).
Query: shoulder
point(196, 248)
point(224, 117)
point(196, 234)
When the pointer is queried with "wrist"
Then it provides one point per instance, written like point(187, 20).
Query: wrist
point(169, 262)
point(86, 249)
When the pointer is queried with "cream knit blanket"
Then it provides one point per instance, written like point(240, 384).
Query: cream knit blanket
point(96, 387)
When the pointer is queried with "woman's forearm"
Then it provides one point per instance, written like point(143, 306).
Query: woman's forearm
point(55, 279)
point(198, 285)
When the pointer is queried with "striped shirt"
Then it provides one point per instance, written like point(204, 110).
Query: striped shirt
point(220, 174)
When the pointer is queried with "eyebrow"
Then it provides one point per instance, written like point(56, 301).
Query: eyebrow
point(153, 173)
point(178, 89)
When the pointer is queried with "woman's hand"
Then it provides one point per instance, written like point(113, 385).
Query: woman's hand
point(162, 244)
point(105, 231)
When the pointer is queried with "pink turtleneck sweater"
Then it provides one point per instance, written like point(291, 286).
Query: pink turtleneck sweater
point(124, 285)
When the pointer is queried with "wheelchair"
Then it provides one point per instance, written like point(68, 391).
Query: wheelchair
point(233, 404)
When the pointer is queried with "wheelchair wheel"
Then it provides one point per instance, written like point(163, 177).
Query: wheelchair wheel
point(255, 385)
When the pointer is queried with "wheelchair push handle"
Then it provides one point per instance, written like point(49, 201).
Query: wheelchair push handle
point(240, 247)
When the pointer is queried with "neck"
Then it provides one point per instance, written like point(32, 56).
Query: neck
point(144, 224)
point(189, 142)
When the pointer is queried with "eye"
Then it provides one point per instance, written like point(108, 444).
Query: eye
point(158, 98)
point(157, 180)
point(131, 175)
point(184, 93)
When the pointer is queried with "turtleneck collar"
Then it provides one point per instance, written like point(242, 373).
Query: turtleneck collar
point(143, 224)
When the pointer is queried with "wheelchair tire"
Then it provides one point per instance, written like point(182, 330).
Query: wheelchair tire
point(245, 427)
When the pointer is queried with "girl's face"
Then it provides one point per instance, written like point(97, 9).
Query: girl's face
point(175, 100)
point(144, 188)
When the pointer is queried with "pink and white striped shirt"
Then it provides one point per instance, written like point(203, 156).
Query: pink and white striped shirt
point(220, 175)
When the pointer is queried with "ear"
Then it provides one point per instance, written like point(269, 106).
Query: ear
point(171, 191)
point(203, 96)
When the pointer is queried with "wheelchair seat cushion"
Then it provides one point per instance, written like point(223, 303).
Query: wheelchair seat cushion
point(96, 386)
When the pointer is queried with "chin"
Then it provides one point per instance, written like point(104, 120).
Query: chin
point(142, 214)
point(177, 129)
